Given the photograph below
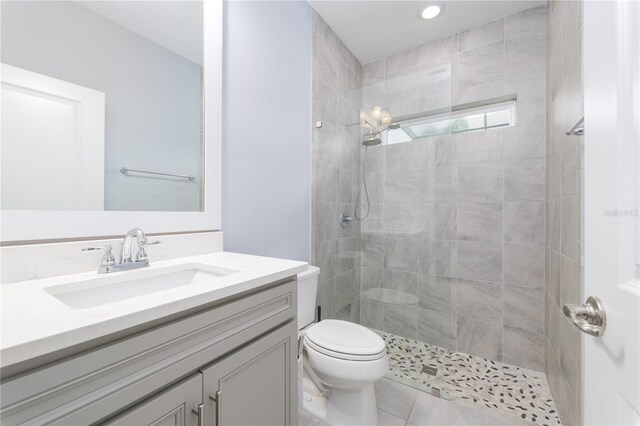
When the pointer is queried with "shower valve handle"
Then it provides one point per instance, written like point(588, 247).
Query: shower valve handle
point(345, 219)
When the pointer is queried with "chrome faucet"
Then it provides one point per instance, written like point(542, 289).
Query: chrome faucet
point(141, 238)
point(108, 263)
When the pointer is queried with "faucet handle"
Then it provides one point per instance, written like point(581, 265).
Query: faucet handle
point(141, 256)
point(107, 259)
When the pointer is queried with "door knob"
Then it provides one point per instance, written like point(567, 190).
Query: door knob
point(589, 318)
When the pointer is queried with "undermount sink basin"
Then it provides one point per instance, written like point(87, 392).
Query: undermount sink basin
point(126, 285)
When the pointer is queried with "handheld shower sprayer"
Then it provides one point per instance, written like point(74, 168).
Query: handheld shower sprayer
point(370, 139)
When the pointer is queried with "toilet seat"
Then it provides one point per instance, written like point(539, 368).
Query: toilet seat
point(345, 340)
point(340, 355)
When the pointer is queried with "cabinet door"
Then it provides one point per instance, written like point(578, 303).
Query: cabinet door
point(172, 407)
point(255, 385)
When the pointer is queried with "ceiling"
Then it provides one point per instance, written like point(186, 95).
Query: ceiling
point(174, 25)
point(376, 29)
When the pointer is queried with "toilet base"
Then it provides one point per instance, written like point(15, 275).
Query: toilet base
point(341, 407)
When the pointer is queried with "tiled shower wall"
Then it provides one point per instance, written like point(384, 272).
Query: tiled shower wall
point(563, 245)
point(453, 253)
point(337, 78)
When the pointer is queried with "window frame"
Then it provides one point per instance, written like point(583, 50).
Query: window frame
point(509, 105)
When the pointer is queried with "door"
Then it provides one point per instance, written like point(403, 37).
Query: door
point(255, 385)
point(64, 124)
point(177, 406)
point(610, 371)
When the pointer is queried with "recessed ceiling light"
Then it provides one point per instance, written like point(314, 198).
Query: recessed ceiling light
point(431, 11)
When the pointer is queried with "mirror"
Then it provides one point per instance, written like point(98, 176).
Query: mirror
point(102, 105)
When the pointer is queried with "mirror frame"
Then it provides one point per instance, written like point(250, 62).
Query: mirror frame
point(26, 225)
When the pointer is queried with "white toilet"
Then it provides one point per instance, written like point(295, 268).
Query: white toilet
point(342, 361)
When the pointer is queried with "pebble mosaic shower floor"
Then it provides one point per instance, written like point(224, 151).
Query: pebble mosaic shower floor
point(450, 375)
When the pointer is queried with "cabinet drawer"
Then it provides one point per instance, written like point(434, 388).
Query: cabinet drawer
point(94, 385)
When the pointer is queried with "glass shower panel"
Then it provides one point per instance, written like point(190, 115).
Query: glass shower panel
point(336, 168)
point(408, 238)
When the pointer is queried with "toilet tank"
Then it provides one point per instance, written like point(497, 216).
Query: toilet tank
point(307, 289)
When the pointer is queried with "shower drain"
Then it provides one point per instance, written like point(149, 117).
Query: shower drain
point(432, 371)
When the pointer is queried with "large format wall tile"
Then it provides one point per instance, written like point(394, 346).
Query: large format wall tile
point(404, 218)
point(563, 277)
point(480, 183)
point(403, 281)
point(373, 72)
point(437, 327)
point(531, 19)
point(479, 147)
point(481, 35)
point(401, 319)
point(437, 258)
point(344, 282)
point(401, 187)
point(445, 185)
point(532, 94)
point(480, 221)
point(401, 253)
point(524, 180)
point(526, 140)
point(524, 265)
point(434, 293)
point(524, 222)
point(372, 250)
point(524, 308)
point(480, 300)
point(525, 53)
point(481, 65)
point(481, 338)
point(570, 215)
point(440, 220)
point(439, 51)
point(371, 312)
point(479, 261)
point(325, 257)
point(523, 348)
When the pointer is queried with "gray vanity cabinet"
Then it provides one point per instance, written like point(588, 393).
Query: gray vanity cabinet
point(172, 407)
point(244, 347)
point(253, 386)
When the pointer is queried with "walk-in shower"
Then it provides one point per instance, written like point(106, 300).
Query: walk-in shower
point(442, 251)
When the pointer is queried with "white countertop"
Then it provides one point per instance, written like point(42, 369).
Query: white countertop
point(34, 322)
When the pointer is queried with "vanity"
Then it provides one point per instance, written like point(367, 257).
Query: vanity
point(117, 123)
point(209, 339)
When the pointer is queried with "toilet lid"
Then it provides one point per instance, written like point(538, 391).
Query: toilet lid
point(346, 338)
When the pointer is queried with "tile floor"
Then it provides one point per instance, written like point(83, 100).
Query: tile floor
point(400, 405)
point(513, 391)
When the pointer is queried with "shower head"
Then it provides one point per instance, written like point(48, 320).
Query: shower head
point(390, 126)
point(371, 140)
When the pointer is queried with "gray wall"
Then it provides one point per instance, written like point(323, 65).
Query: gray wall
point(266, 148)
point(564, 177)
point(153, 96)
point(458, 224)
point(337, 77)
